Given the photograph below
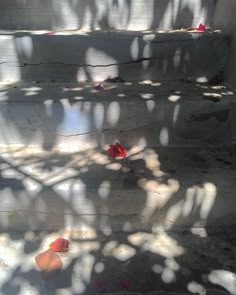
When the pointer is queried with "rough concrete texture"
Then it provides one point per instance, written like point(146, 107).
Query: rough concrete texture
point(161, 221)
point(151, 189)
point(133, 263)
point(104, 14)
point(93, 56)
point(73, 116)
point(225, 20)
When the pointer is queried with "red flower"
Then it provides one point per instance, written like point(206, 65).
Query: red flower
point(117, 150)
point(60, 245)
point(48, 261)
point(51, 33)
point(201, 28)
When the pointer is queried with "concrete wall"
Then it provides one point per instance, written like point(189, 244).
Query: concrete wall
point(104, 14)
point(225, 19)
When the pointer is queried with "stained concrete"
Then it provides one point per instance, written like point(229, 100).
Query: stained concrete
point(94, 56)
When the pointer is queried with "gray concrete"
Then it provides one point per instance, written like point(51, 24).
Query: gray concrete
point(93, 56)
point(73, 116)
point(225, 19)
point(152, 189)
point(104, 14)
point(131, 263)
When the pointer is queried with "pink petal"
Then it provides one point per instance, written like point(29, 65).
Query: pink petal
point(201, 28)
point(48, 261)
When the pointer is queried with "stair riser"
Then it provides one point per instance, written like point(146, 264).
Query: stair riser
point(95, 56)
point(95, 124)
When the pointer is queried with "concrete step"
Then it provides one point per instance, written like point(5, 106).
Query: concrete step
point(70, 117)
point(95, 55)
point(151, 189)
point(134, 263)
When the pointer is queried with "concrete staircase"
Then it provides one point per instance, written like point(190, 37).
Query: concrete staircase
point(162, 218)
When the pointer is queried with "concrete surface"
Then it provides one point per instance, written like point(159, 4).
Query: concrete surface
point(225, 20)
point(93, 56)
point(131, 263)
point(69, 116)
point(151, 189)
point(104, 14)
point(161, 221)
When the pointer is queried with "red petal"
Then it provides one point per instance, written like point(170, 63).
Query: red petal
point(48, 261)
point(98, 87)
point(60, 245)
point(201, 28)
point(111, 152)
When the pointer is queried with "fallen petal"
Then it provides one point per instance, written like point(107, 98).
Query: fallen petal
point(48, 261)
point(98, 87)
point(60, 245)
point(201, 28)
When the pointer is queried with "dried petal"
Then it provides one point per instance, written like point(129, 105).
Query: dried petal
point(48, 261)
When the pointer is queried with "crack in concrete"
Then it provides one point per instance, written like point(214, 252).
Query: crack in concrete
point(107, 130)
point(66, 213)
point(140, 60)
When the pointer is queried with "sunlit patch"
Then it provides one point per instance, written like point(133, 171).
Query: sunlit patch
point(147, 95)
point(78, 97)
point(104, 189)
point(176, 113)
point(107, 231)
point(164, 136)
point(147, 82)
point(113, 113)
point(202, 79)
point(172, 264)
point(121, 252)
point(156, 84)
point(174, 98)
point(218, 87)
point(127, 226)
point(173, 213)
point(157, 268)
point(65, 89)
point(134, 48)
point(199, 231)
point(100, 159)
point(208, 94)
point(150, 104)
point(137, 151)
point(196, 288)
point(99, 267)
point(225, 279)
point(114, 166)
point(160, 243)
point(168, 276)
point(163, 245)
